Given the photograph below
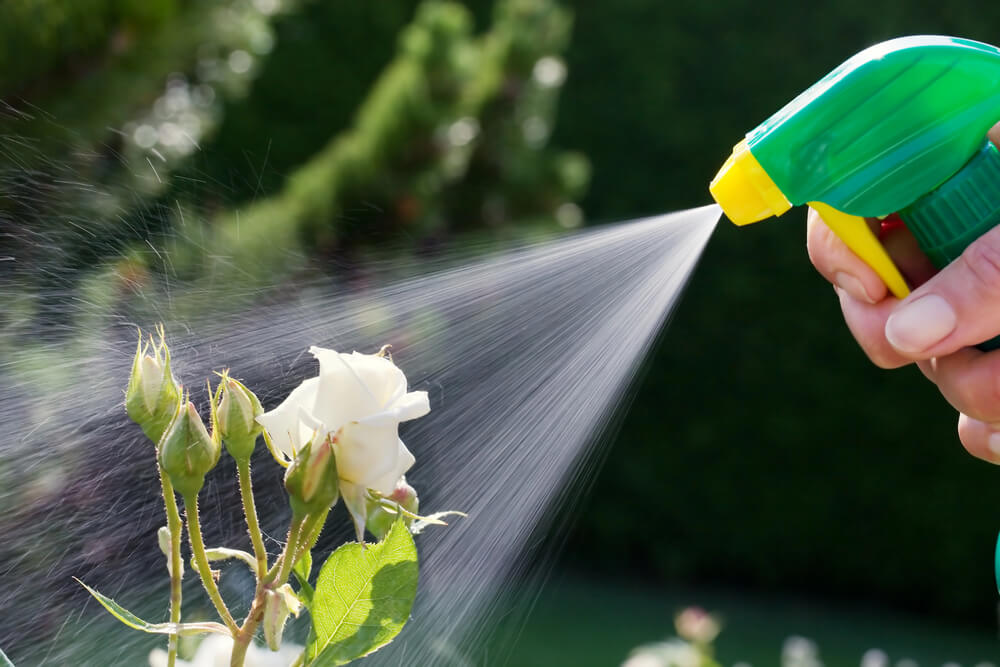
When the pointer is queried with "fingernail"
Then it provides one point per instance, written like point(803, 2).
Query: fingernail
point(919, 324)
point(852, 286)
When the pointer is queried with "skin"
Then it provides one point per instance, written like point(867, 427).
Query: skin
point(960, 306)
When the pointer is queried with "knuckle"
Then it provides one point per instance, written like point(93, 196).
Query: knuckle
point(970, 384)
point(984, 396)
point(967, 397)
point(982, 260)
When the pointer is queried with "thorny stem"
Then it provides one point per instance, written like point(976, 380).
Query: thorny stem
point(293, 539)
point(250, 510)
point(275, 578)
point(176, 527)
point(201, 559)
point(291, 551)
point(312, 529)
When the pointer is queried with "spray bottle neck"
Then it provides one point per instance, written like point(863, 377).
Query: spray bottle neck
point(963, 208)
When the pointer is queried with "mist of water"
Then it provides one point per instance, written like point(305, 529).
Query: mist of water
point(527, 355)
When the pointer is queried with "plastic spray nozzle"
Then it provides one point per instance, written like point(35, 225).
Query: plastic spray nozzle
point(899, 127)
point(744, 190)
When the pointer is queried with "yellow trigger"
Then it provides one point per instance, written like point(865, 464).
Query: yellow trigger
point(858, 236)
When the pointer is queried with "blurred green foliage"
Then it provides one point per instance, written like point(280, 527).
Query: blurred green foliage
point(40, 35)
point(762, 449)
point(440, 111)
point(439, 144)
point(75, 189)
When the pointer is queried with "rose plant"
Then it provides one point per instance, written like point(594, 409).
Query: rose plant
point(337, 435)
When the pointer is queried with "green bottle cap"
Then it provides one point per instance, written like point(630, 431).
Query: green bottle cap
point(963, 208)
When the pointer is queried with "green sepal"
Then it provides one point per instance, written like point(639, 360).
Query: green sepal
point(311, 480)
point(133, 621)
point(241, 450)
point(4, 660)
point(380, 581)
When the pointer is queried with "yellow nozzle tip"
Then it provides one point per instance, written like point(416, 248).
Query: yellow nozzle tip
point(744, 190)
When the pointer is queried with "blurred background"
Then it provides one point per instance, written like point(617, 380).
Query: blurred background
point(763, 469)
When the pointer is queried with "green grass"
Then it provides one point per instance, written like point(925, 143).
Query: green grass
point(583, 623)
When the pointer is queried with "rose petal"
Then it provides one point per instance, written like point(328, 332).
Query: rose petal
point(382, 377)
point(411, 406)
point(366, 453)
point(343, 397)
point(355, 500)
point(310, 428)
point(386, 483)
point(284, 423)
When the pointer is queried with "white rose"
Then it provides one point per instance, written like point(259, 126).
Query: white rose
point(359, 400)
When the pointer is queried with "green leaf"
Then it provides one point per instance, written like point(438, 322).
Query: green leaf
point(133, 621)
point(4, 660)
point(302, 569)
point(363, 597)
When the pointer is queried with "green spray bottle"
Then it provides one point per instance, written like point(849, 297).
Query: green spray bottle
point(898, 128)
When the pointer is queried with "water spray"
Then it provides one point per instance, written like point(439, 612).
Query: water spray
point(896, 130)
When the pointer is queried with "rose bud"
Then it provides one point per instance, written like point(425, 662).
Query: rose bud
point(236, 417)
point(187, 452)
point(311, 479)
point(153, 394)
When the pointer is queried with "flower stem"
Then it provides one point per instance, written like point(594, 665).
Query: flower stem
point(176, 527)
point(241, 641)
point(312, 528)
point(201, 559)
point(250, 510)
point(291, 550)
point(279, 571)
point(274, 578)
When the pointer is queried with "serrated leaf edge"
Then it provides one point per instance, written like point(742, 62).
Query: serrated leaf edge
point(316, 652)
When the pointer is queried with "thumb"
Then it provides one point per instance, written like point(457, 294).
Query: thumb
point(958, 307)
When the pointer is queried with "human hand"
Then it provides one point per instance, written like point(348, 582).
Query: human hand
point(935, 326)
